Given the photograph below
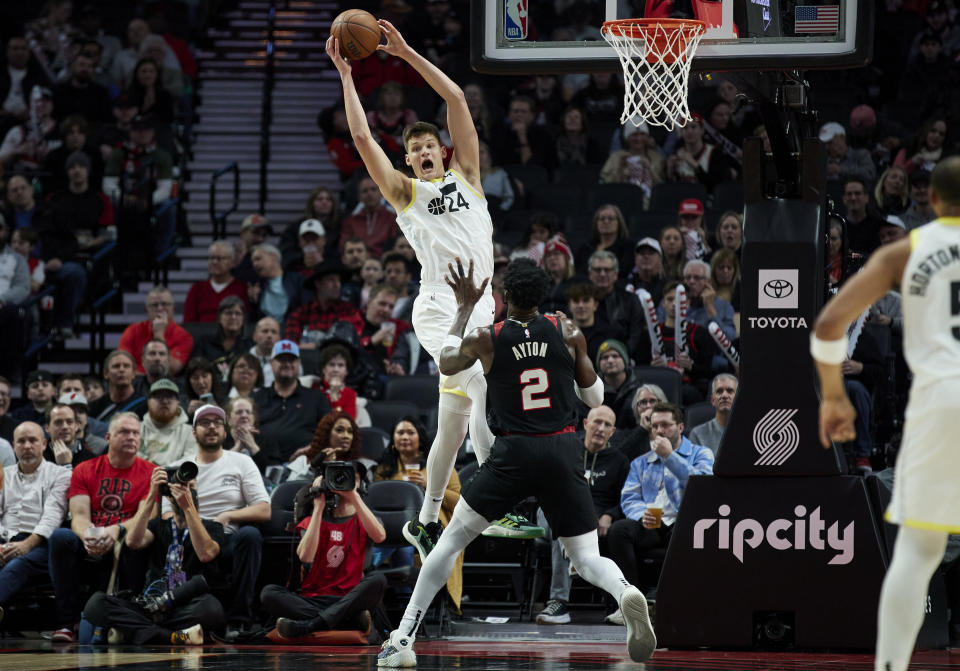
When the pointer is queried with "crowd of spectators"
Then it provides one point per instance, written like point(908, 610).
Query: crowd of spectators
point(283, 348)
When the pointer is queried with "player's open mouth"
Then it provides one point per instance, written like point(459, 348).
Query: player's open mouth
point(427, 165)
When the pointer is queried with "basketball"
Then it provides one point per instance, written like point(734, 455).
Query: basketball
point(358, 32)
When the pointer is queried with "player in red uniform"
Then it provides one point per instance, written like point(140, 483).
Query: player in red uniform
point(531, 362)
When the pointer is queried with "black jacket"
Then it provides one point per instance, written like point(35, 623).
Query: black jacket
point(623, 312)
point(608, 470)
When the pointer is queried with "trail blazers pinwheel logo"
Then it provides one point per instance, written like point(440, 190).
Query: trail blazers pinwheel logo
point(776, 437)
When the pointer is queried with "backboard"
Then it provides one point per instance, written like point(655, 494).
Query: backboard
point(528, 37)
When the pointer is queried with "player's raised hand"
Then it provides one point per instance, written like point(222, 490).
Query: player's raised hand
point(462, 284)
point(836, 421)
point(395, 43)
point(333, 51)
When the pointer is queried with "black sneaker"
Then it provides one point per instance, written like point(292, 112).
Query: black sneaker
point(293, 628)
point(423, 537)
point(555, 612)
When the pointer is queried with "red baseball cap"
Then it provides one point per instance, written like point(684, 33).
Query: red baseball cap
point(690, 206)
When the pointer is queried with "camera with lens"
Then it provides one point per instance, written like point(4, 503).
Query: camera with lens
point(159, 599)
point(338, 476)
point(179, 475)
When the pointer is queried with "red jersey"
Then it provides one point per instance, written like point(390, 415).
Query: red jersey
point(137, 335)
point(114, 493)
point(338, 565)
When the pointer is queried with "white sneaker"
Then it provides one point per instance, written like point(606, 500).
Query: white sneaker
point(616, 617)
point(641, 641)
point(397, 652)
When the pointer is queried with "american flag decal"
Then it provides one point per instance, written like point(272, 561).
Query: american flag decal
point(812, 19)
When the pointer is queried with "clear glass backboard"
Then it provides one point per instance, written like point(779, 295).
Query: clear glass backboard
point(532, 36)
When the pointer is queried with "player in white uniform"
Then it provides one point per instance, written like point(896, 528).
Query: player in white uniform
point(926, 490)
point(443, 215)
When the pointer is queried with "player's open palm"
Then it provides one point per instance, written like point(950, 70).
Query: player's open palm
point(462, 284)
point(836, 421)
point(333, 51)
point(395, 43)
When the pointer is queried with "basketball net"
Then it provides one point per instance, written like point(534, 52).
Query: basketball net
point(656, 56)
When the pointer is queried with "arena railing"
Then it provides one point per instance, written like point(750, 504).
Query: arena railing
point(219, 219)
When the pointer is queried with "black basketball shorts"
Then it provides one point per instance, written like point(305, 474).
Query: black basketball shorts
point(549, 468)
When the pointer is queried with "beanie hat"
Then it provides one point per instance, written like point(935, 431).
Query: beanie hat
point(612, 344)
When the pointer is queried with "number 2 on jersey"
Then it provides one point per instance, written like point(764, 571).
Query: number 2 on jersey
point(534, 381)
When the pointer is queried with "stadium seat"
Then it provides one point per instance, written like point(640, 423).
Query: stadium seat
point(385, 414)
point(281, 525)
point(531, 175)
point(697, 414)
point(373, 444)
point(580, 175)
point(667, 379)
point(627, 197)
point(728, 196)
point(667, 196)
point(424, 390)
point(561, 199)
point(649, 224)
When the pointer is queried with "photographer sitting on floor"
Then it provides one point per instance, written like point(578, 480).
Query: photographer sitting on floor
point(176, 606)
point(334, 594)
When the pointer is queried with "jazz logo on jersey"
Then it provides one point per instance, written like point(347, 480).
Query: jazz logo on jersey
point(450, 200)
point(515, 19)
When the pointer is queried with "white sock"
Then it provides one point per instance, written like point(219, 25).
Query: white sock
point(480, 434)
point(584, 554)
point(452, 418)
point(916, 555)
point(465, 525)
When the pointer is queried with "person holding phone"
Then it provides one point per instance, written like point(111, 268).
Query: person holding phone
point(202, 385)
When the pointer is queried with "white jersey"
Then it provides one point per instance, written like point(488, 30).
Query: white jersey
point(931, 305)
point(447, 218)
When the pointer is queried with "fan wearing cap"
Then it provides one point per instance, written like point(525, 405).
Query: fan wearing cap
point(694, 160)
point(647, 273)
point(558, 262)
point(920, 211)
point(89, 430)
point(231, 492)
point(690, 222)
point(888, 310)
point(375, 223)
point(323, 204)
point(640, 162)
point(166, 435)
point(326, 310)
point(147, 173)
point(288, 411)
point(40, 393)
point(844, 161)
point(26, 145)
point(204, 297)
point(312, 240)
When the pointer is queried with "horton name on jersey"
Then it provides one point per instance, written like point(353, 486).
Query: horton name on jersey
point(526, 349)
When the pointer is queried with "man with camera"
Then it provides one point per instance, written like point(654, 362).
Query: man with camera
point(232, 493)
point(334, 594)
point(33, 502)
point(104, 492)
point(176, 606)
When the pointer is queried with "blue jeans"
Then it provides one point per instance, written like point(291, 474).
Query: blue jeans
point(16, 573)
point(240, 557)
point(863, 403)
point(71, 282)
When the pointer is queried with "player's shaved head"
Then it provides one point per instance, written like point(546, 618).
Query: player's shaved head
point(526, 284)
point(945, 181)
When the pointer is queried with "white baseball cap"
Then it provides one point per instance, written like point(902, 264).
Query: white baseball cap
point(312, 226)
point(828, 131)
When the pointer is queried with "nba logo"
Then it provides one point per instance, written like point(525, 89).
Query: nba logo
point(515, 19)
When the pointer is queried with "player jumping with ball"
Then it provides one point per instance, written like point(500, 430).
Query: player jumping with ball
point(443, 215)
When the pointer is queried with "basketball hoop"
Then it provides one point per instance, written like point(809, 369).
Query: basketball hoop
point(656, 56)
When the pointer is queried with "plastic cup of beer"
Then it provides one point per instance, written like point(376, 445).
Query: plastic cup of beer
point(657, 514)
point(410, 467)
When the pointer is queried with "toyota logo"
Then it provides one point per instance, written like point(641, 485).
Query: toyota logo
point(778, 288)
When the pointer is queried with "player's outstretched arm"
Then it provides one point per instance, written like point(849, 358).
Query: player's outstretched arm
point(457, 354)
point(881, 273)
point(589, 385)
point(462, 131)
point(394, 186)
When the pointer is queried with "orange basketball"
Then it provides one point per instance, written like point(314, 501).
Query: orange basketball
point(358, 32)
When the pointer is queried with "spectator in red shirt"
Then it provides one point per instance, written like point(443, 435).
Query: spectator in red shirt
point(375, 223)
point(333, 124)
point(159, 324)
point(334, 594)
point(372, 73)
point(104, 492)
point(335, 364)
point(204, 298)
point(324, 312)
